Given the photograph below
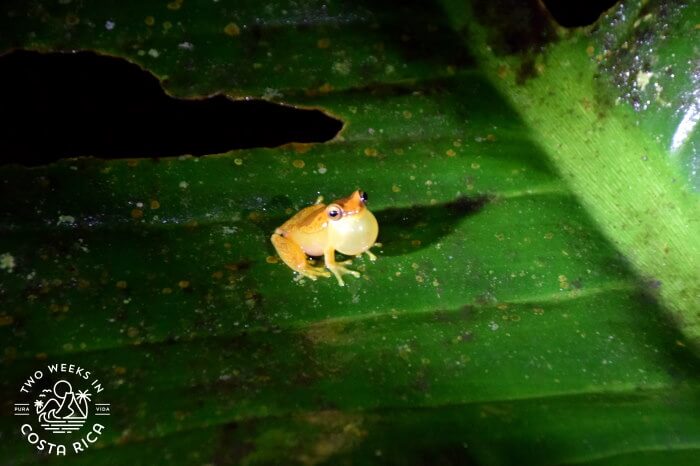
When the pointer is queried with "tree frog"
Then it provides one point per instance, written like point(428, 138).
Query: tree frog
point(345, 225)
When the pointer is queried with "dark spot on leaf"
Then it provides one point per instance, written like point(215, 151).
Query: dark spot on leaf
point(83, 104)
point(238, 267)
point(574, 13)
point(526, 70)
point(422, 383)
point(448, 454)
point(654, 284)
point(466, 336)
point(515, 26)
point(234, 443)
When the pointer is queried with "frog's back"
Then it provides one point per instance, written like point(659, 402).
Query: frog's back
point(308, 220)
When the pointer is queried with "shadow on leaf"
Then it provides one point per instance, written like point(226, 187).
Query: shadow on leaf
point(402, 230)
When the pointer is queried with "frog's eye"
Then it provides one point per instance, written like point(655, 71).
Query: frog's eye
point(334, 212)
point(363, 197)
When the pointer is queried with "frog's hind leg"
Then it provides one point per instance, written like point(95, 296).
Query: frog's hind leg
point(295, 257)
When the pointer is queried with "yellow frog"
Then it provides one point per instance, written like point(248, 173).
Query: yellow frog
point(346, 226)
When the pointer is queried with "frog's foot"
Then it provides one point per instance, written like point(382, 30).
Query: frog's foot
point(312, 272)
point(295, 258)
point(339, 270)
point(369, 253)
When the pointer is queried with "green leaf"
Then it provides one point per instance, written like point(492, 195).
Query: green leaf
point(535, 298)
point(621, 129)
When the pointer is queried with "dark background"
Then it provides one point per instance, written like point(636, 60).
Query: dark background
point(82, 104)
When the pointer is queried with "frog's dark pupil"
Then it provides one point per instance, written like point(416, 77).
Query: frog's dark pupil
point(333, 213)
point(363, 196)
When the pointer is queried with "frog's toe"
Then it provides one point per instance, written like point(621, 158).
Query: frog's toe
point(314, 272)
point(339, 271)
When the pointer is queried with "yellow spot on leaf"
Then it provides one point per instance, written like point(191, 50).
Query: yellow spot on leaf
point(72, 20)
point(183, 284)
point(371, 152)
point(6, 320)
point(254, 216)
point(121, 284)
point(271, 260)
point(563, 282)
point(300, 147)
point(175, 5)
point(136, 213)
point(150, 21)
point(325, 89)
point(323, 43)
point(450, 153)
point(155, 205)
point(232, 30)
point(298, 163)
point(59, 308)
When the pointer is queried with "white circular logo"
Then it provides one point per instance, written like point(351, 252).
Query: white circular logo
point(60, 405)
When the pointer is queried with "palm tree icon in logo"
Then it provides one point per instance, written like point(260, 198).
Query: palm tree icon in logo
point(60, 410)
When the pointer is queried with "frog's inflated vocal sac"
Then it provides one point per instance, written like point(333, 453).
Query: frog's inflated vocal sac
point(346, 226)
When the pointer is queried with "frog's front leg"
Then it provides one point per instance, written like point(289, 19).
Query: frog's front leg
point(295, 257)
point(336, 267)
point(369, 253)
